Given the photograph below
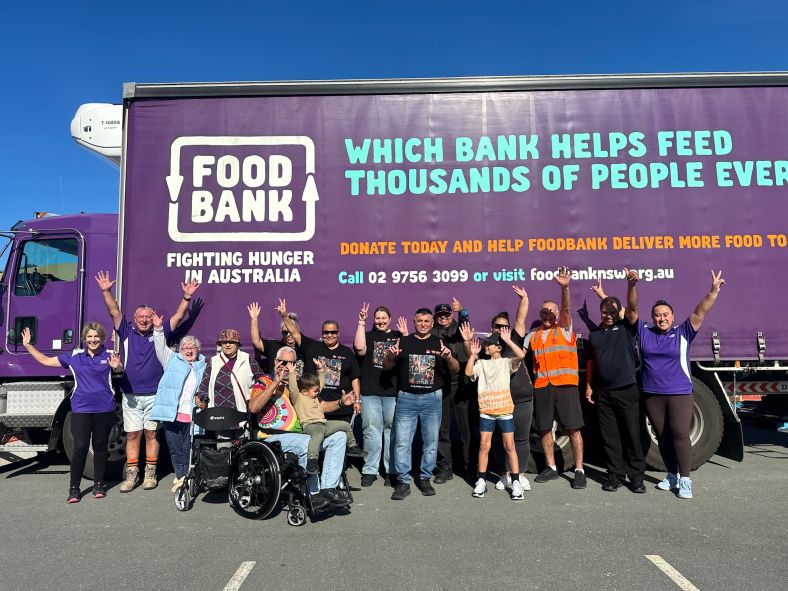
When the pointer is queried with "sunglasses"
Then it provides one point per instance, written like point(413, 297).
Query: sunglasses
point(330, 332)
point(285, 333)
point(285, 362)
point(229, 343)
point(499, 326)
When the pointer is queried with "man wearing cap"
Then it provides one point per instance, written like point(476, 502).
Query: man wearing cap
point(556, 394)
point(456, 393)
point(141, 378)
point(229, 374)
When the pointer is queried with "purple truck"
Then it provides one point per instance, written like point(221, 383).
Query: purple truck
point(411, 192)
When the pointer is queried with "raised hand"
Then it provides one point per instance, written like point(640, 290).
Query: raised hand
point(506, 335)
point(114, 360)
point(158, 321)
point(103, 280)
point(519, 291)
point(189, 287)
point(632, 276)
point(597, 289)
point(476, 347)
point(445, 351)
point(716, 282)
point(466, 331)
point(402, 325)
point(364, 312)
point(394, 350)
point(282, 308)
point(456, 306)
point(254, 310)
point(25, 336)
point(564, 277)
point(320, 363)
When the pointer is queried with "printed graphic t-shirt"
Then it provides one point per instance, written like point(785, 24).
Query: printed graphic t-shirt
point(341, 369)
point(374, 380)
point(420, 368)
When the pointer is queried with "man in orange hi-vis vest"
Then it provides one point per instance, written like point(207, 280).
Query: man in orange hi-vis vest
point(556, 395)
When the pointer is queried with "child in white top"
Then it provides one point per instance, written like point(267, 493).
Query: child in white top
point(495, 403)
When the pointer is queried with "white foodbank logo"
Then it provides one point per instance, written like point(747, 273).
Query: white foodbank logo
point(242, 190)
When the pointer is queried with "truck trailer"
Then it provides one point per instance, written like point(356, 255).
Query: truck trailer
point(408, 193)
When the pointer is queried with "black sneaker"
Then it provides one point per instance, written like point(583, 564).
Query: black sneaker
point(401, 490)
point(368, 479)
point(74, 494)
point(354, 452)
point(319, 502)
point(546, 475)
point(335, 497)
point(611, 484)
point(312, 467)
point(423, 484)
point(580, 480)
point(637, 486)
point(389, 479)
point(99, 490)
point(443, 475)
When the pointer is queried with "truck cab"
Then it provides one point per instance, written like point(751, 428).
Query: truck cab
point(48, 287)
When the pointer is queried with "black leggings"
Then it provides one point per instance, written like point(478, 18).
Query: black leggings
point(85, 427)
point(671, 417)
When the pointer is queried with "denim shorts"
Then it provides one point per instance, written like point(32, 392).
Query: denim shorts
point(136, 412)
point(505, 424)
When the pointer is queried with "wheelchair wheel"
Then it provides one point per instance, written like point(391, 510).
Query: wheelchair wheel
point(255, 481)
point(183, 500)
point(296, 515)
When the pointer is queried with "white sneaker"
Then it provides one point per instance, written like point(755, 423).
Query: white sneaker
point(670, 482)
point(685, 488)
point(524, 482)
point(177, 483)
point(480, 489)
point(517, 491)
point(503, 483)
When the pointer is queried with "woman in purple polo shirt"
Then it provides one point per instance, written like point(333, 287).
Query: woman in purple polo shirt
point(667, 383)
point(92, 402)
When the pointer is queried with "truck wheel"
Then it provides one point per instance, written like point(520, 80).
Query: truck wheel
point(116, 457)
point(562, 448)
point(705, 433)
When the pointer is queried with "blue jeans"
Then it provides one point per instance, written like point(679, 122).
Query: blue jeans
point(179, 443)
point(412, 408)
point(333, 459)
point(377, 419)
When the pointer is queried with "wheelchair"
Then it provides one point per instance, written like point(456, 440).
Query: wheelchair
point(264, 479)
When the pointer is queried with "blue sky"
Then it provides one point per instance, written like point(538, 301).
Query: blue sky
point(59, 55)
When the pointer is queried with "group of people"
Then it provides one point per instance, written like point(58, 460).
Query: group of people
point(305, 392)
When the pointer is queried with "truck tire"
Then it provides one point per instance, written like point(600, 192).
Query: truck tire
point(117, 448)
point(562, 449)
point(705, 433)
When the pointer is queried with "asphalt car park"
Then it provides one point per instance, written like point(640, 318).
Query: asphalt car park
point(731, 535)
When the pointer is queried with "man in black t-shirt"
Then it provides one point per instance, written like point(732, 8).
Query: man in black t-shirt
point(342, 371)
point(424, 365)
point(610, 377)
point(266, 350)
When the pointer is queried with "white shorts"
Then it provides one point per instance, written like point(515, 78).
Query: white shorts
point(136, 413)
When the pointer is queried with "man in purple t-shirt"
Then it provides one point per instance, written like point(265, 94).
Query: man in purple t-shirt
point(142, 374)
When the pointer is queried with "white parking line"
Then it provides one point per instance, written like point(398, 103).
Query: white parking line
point(674, 575)
point(240, 576)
